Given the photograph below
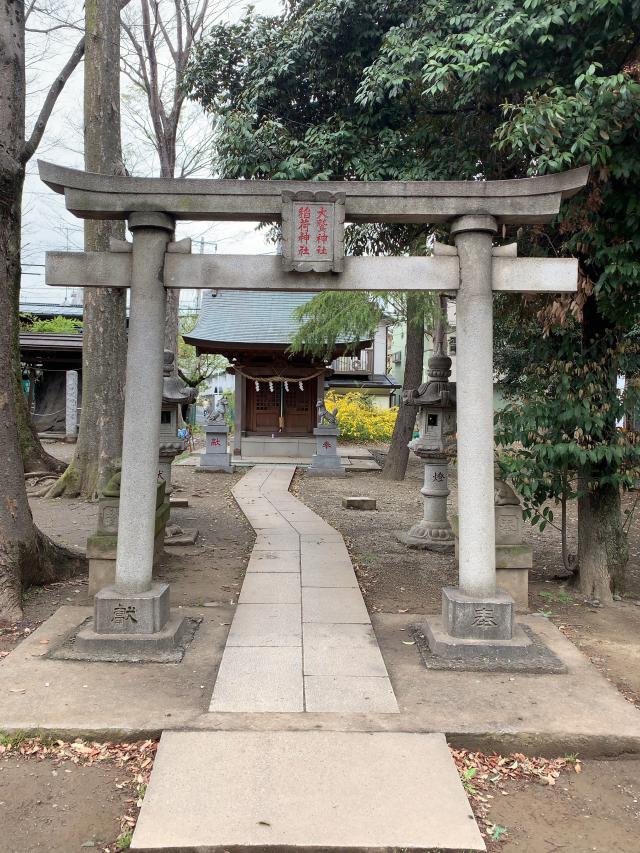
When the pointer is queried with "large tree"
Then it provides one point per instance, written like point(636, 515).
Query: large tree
point(568, 73)
point(161, 38)
point(283, 91)
point(418, 90)
point(104, 346)
point(26, 555)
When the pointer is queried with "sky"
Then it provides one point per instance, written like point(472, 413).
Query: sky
point(47, 225)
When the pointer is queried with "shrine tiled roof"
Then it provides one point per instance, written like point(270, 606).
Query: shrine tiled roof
point(247, 317)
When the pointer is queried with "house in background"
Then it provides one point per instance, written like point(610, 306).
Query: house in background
point(275, 391)
point(399, 341)
point(46, 357)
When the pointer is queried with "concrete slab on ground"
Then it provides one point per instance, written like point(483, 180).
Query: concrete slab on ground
point(307, 791)
point(579, 711)
point(353, 459)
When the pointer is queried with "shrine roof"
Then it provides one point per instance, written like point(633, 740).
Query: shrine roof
point(260, 318)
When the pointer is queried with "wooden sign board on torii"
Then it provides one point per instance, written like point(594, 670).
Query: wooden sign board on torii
point(312, 216)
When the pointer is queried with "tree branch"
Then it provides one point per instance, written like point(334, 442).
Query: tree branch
point(31, 145)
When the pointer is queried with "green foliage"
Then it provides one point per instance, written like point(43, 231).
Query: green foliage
point(55, 325)
point(332, 317)
point(565, 425)
point(123, 842)
point(444, 89)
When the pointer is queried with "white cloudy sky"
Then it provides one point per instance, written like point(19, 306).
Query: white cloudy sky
point(46, 223)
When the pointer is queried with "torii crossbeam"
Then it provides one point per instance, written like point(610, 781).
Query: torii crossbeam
point(312, 216)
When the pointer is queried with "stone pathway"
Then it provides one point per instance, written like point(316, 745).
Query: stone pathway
point(301, 638)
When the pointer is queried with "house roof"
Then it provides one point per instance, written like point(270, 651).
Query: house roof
point(50, 309)
point(248, 317)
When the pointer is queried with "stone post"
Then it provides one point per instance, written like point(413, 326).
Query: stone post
point(477, 618)
point(326, 461)
point(216, 456)
point(71, 406)
point(143, 402)
point(132, 620)
point(474, 374)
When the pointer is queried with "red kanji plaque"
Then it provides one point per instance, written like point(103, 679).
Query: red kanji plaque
point(313, 231)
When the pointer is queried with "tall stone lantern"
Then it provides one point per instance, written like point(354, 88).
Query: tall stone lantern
point(174, 395)
point(436, 401)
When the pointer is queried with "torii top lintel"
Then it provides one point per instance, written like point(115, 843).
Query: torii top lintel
point(521, 201)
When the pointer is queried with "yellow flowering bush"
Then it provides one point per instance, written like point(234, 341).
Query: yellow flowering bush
point(358, 419)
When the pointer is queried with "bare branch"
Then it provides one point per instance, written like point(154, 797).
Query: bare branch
point(49, 102)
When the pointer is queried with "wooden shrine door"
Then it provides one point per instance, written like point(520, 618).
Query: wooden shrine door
point(264, 408)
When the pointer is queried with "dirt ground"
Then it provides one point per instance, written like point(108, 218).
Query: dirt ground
point(45, 807)
point(594, 810)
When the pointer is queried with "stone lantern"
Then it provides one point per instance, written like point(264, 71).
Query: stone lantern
point(436, 401)
point(174, 395)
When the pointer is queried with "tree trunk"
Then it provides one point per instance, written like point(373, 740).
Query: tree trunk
point(603, 549)
point(602, 545)
point(26, 555)
point(104, 345)
point(395, 465)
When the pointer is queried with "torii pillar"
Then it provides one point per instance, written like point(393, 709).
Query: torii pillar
point(132, 618)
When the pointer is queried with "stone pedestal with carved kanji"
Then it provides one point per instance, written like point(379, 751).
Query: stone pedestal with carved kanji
point(326, 462)
point(216, 456)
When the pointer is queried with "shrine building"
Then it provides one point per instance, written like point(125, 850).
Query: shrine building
point(276, 391)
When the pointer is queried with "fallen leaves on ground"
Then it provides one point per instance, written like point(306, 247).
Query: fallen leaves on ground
point(484, 776)
point(136, 758)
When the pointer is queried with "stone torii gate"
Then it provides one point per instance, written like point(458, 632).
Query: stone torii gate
point(476, 615)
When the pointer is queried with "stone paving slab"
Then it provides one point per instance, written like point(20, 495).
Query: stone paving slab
point(341, 650)
point(277, 542)
point(307, 791)
point(271, 588)
point(266, 625)
point(312, 581)
point(349, 694)
point(263, 679)
point(333, 605)
point(333, 574)
point(274, 561)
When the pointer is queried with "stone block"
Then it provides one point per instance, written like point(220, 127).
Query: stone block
point(444, 645)
point(216, 456)
point(508, 525)
point(326, 461)
point(354, 502)
point(101, 573)
point(119, 613)
point(515, 582)
point(333, 605)
point(477, 618)
point(164, 646)
point(108, 515)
